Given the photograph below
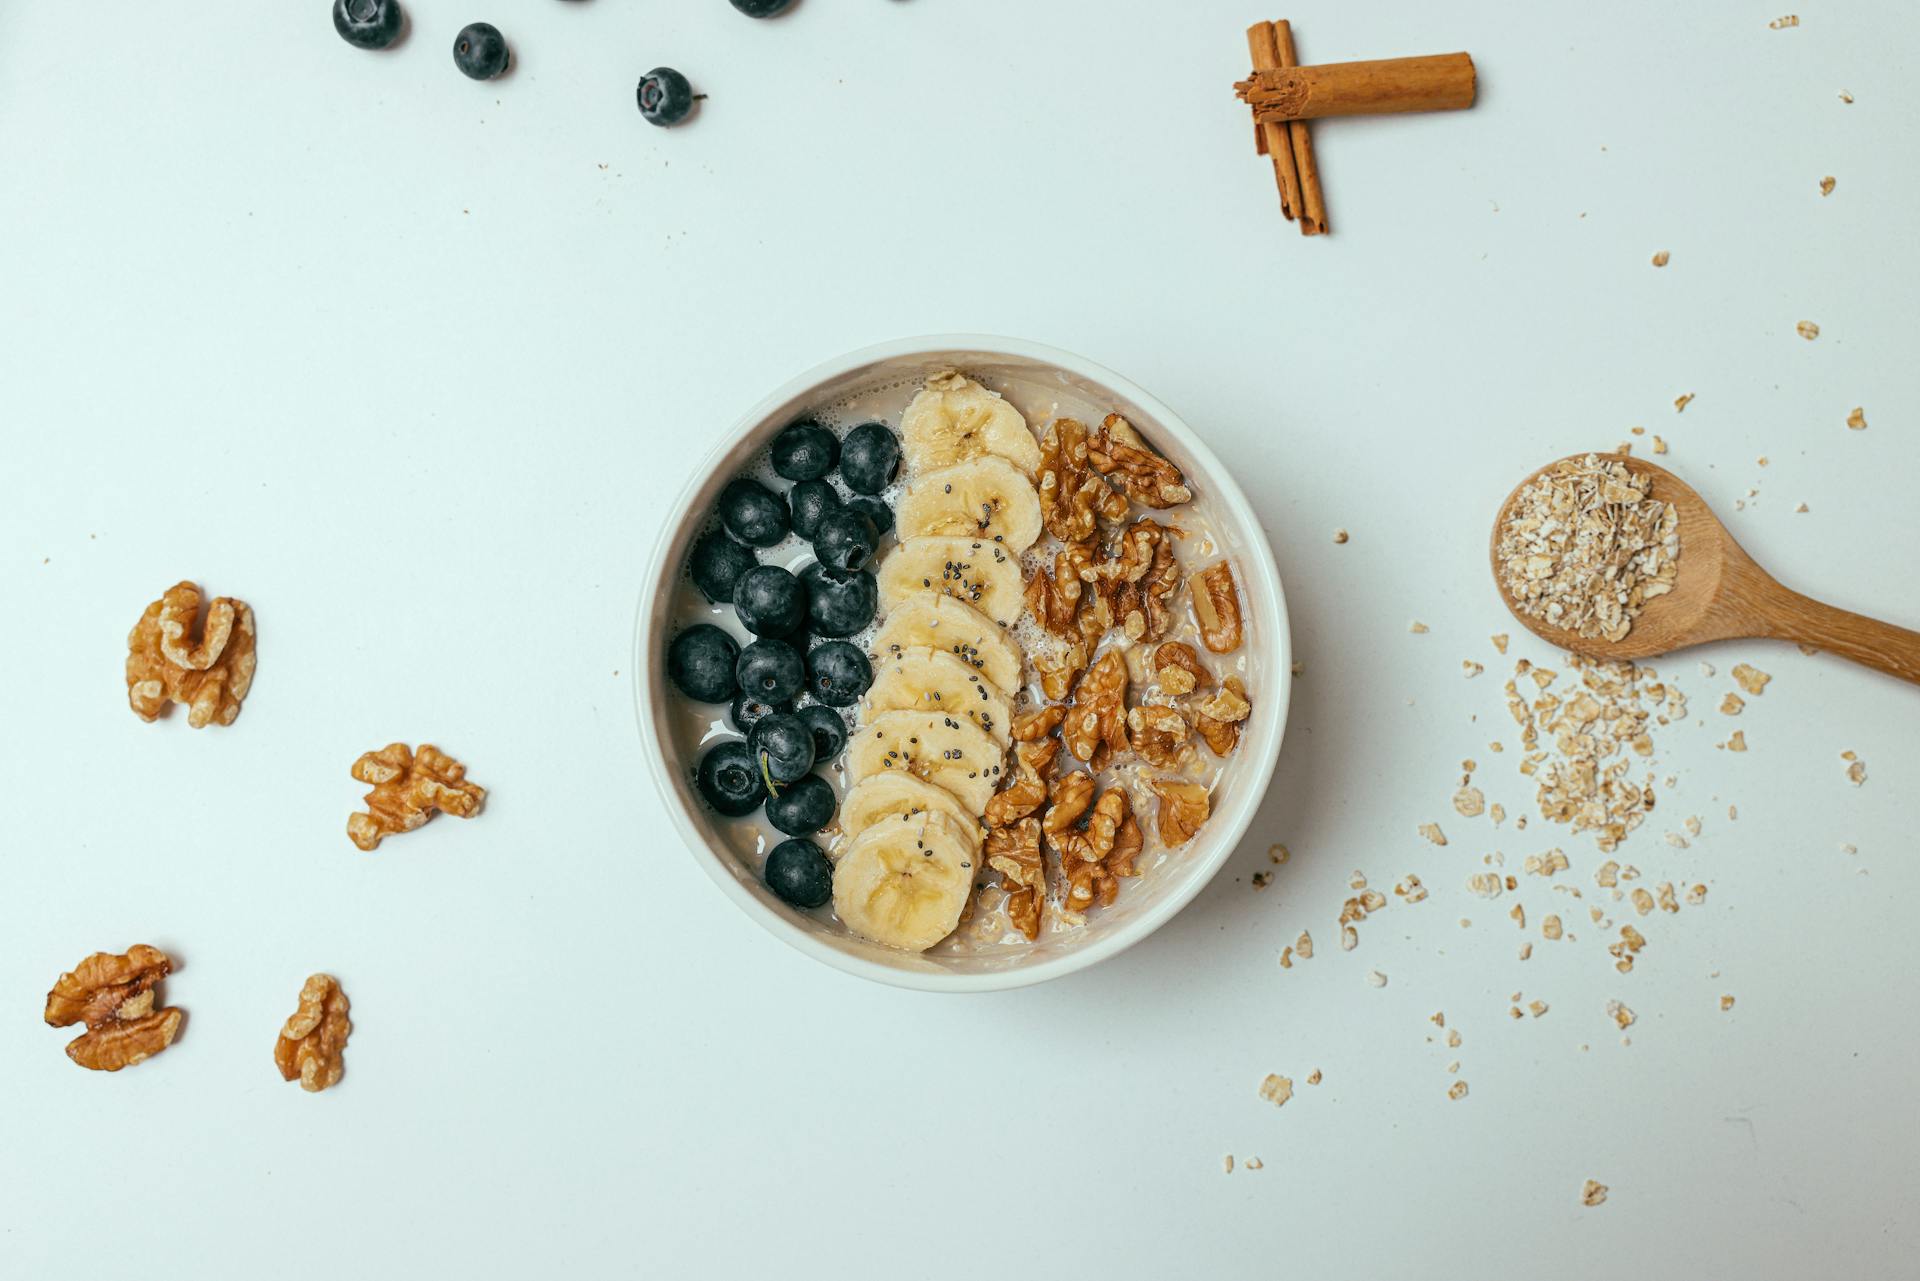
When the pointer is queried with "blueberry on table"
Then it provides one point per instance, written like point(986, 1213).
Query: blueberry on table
point(804, 451)
point(874, 510)
point(840, 601)
point(728, 780)
point(701, 662)
point(367, 24)
point(799, 874)
point(664, 96)
point(770, 601)
point(753, 513)
point(716, 564)
point(845, 540)
point(782, 748)
point(480, 51)
point(869, 458)
point(838, 673)
point(802, 808)
point(772, 669)
point(747, 710)
point(809, 501)
point(829, 732)
point(762, 8)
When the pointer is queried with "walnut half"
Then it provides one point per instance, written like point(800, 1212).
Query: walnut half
point(1096, 726)
point(312, 1042)
point(1117, 451)
point(1216, 607)
point(113, 994)
point(1072, 496)
point(1184, 806)
point(408, 787)
point(165, 665)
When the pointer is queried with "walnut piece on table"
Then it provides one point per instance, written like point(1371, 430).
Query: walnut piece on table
point(408, 786)
point(1216, 607)
point(165, 664)
point(1184, 807)
point(1118, 452)
point(113, 994)
point(1096, 724)
point(1073, 497)
point(313, 1041)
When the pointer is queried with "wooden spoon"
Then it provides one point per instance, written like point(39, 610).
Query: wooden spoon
point(1719, 593)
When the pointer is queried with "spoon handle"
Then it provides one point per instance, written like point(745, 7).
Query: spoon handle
point(1882, 646)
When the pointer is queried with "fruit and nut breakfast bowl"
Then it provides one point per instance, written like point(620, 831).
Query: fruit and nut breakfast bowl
point(962, 663)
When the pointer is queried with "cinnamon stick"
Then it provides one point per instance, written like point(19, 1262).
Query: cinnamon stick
point(1313, 202)
point(1441, 82)
point(1272, 138)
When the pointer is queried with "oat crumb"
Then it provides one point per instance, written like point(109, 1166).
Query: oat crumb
point(1471, 669)
point(1458, 1090)
point(1277, 1089)
point(1732, 705)
point(1229, 1163)
point(1781, 24)
point(1807, 330)
point(1827, 185)
point(1857, 771)
point(1433, 833)
point(1661, 258)
point(1340, 536)
point(1726, 1002)
point(1620, 1014)
point(1417, 627)
point(1680, 403)
point(1500, 638)
point(1592, 1193)
point(1255, 1163)
point(1857, 420)
point(1536, 1008)
point(1313, 1078)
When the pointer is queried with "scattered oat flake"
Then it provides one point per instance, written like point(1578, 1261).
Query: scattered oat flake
point(1738, 743)
point(1845, 96)
point(1697, 895)
point(1377, 979)
point(1857, 420)
point(1500, 638)
point(1801, 508)
point(1485, 884)
point(1433, 833)
point(1751, 678)
point(1781, 24)
point(1339, 535)
point(1537, 1008)
point(1276, 1089)
point(1469, 802)
point(1278, 853)
point(1255, 1163)
point(1592, 1193)
point(1857, 773)
point(1660, 259)
point(1807, 330)
point(1680, 404)
point(1349, 938)
point(1726, 1002)
point(1693, 825)
point(1229, 1163)
point(1518, 914)
point(1732, 705)
point(1550, 927)
point(1620, 1014)
point(1313, 1078)
point(1453, 1038)
point(1827, 185)
point(1417, 627)
point(1659, 445)
point(1458, 1090)
point(1471, 669)
point(1303, 946)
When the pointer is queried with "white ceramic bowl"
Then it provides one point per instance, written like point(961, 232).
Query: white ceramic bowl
point(1144, 904)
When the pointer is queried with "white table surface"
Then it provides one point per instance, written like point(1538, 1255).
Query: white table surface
point(411, 364)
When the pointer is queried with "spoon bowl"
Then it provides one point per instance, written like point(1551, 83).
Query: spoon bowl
point(1719, 593)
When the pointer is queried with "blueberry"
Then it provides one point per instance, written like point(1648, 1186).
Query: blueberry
point(782, 748)
point(770, 601)
point(869, 457)
point(747, 710)
point(874, 510)
point(809, 501)
point(799, 874)
point(838, 674)
point(762, 8)
point(828, 729)
point(772, 669)
point(701, 663)
point(367, 24)
point(664, 96)
point(716, 563)
point(728, 780)
point(753, 513)
point(840, 601)
point(480, 51)
point(845, 540)
point(804, 451)
point(804, 808)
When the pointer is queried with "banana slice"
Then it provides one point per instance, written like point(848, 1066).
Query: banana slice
point(900, 798)
point(946, 751)
point(932, 620)
point(931, 680)
point(984, 575)
point(986, 498)
point(905, 884)
point(954, 418)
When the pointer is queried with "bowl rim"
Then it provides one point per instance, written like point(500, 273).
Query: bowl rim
point(1222, 487)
